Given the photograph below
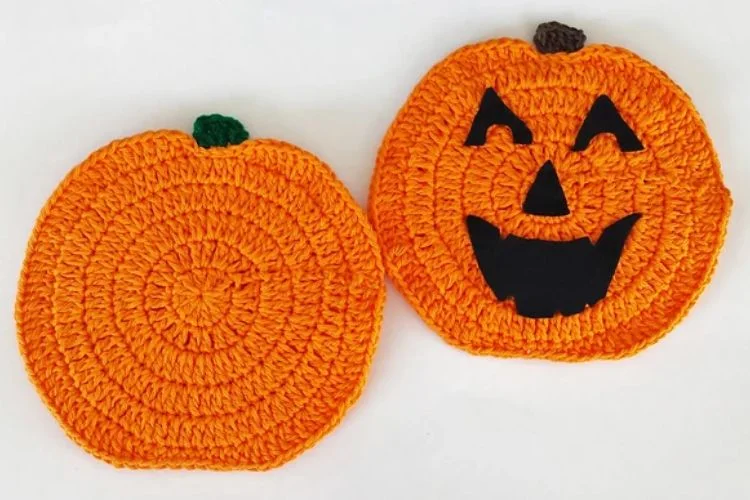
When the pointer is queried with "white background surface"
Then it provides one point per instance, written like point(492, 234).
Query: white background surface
point(434, 422)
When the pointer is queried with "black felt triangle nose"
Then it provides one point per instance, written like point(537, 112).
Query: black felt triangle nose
point(546, 196)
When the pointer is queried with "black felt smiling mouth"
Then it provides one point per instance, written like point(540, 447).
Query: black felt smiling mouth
point(545, 277)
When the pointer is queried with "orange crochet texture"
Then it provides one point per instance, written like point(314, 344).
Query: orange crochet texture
point(504, 170)
point(195, 307)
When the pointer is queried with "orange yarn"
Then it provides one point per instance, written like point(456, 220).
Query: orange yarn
point(427, 182)
point(200, 308)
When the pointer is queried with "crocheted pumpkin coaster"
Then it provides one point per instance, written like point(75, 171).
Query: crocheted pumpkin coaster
point(549, 201)
point(212, 306)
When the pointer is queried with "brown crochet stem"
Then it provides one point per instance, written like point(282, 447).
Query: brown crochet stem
point(554, 37)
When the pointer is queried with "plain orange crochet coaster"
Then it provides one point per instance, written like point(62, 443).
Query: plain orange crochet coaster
point(549, 200)
point(207, 306)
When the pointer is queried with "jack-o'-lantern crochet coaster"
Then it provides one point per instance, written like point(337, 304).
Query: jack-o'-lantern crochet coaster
point(203, 305)
point(549, 200)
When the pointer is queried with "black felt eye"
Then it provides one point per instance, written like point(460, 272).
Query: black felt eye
point(604, 118)
point(493, 111)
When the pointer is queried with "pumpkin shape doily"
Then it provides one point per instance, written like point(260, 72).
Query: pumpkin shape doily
point(549, 200)
point(200, 302)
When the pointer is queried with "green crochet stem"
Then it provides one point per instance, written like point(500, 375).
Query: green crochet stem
point(211, 131)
